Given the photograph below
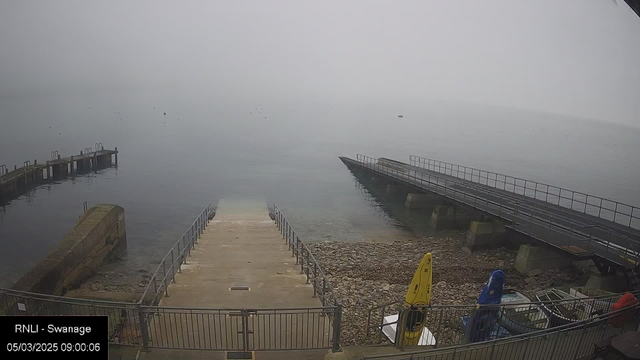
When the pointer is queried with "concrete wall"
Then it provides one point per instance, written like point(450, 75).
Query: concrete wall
point(78, 254)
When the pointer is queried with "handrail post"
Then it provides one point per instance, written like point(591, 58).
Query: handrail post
point(186, 247)
point(293, 249)
point(399, 339)
point(324, 289)
point(164, 270)
point(337, 326)
point(173, 264)
point(180, 256)
point(197, 234)
point(315, 279)
point(143, 328)
point(308, 263)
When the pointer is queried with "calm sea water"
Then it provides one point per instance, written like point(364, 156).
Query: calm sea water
point(171, 166)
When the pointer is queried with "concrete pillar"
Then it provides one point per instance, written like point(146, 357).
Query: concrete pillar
point(532, 257)
point(60, 170)
point(484, 234)
point(48, 171)
point(72, 164)
point(449, 217)
point(56, 171)
point(422, 201)
point(442, 217)
point(461, 218)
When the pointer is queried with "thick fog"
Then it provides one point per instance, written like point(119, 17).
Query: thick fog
point(570, 57)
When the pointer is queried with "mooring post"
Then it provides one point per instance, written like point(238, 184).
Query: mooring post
point(116, 156)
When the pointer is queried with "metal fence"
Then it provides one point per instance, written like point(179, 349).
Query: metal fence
point(243, 330)
point(309, 266)
point(571, 341)
point(562, 232)
point(172, 262)
point(618, 212)
point(457, 324)
point(190, 328)
point(125, 319)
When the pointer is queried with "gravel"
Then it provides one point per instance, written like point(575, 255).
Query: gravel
point(366, 274)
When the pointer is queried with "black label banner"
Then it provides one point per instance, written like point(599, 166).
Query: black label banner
point(49, 337)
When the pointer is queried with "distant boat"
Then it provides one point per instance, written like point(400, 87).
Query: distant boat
point(400, 116)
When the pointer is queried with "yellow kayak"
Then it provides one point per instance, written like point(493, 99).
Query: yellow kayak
point(415, 302)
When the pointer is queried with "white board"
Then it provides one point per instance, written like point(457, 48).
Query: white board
point(389, 330)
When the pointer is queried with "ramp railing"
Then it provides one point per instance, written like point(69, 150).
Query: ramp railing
point(616, 211)
point(171, 263)
point(315, 276)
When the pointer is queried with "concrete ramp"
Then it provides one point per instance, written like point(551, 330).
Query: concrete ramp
point(241, 261)
point(240, 291)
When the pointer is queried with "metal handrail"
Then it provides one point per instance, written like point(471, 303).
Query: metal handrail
point(445, 187)
point(305, 259)
point(173, 260)
point(138, 318)
point(492, 179)
point(578, 229)
point(314, 274)
point(579, 325)
point(378, 313)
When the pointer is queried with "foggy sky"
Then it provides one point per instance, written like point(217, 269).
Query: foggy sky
point(576, 57)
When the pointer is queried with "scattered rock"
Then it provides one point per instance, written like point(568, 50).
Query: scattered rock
point(365, 275)
point(534, 272)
